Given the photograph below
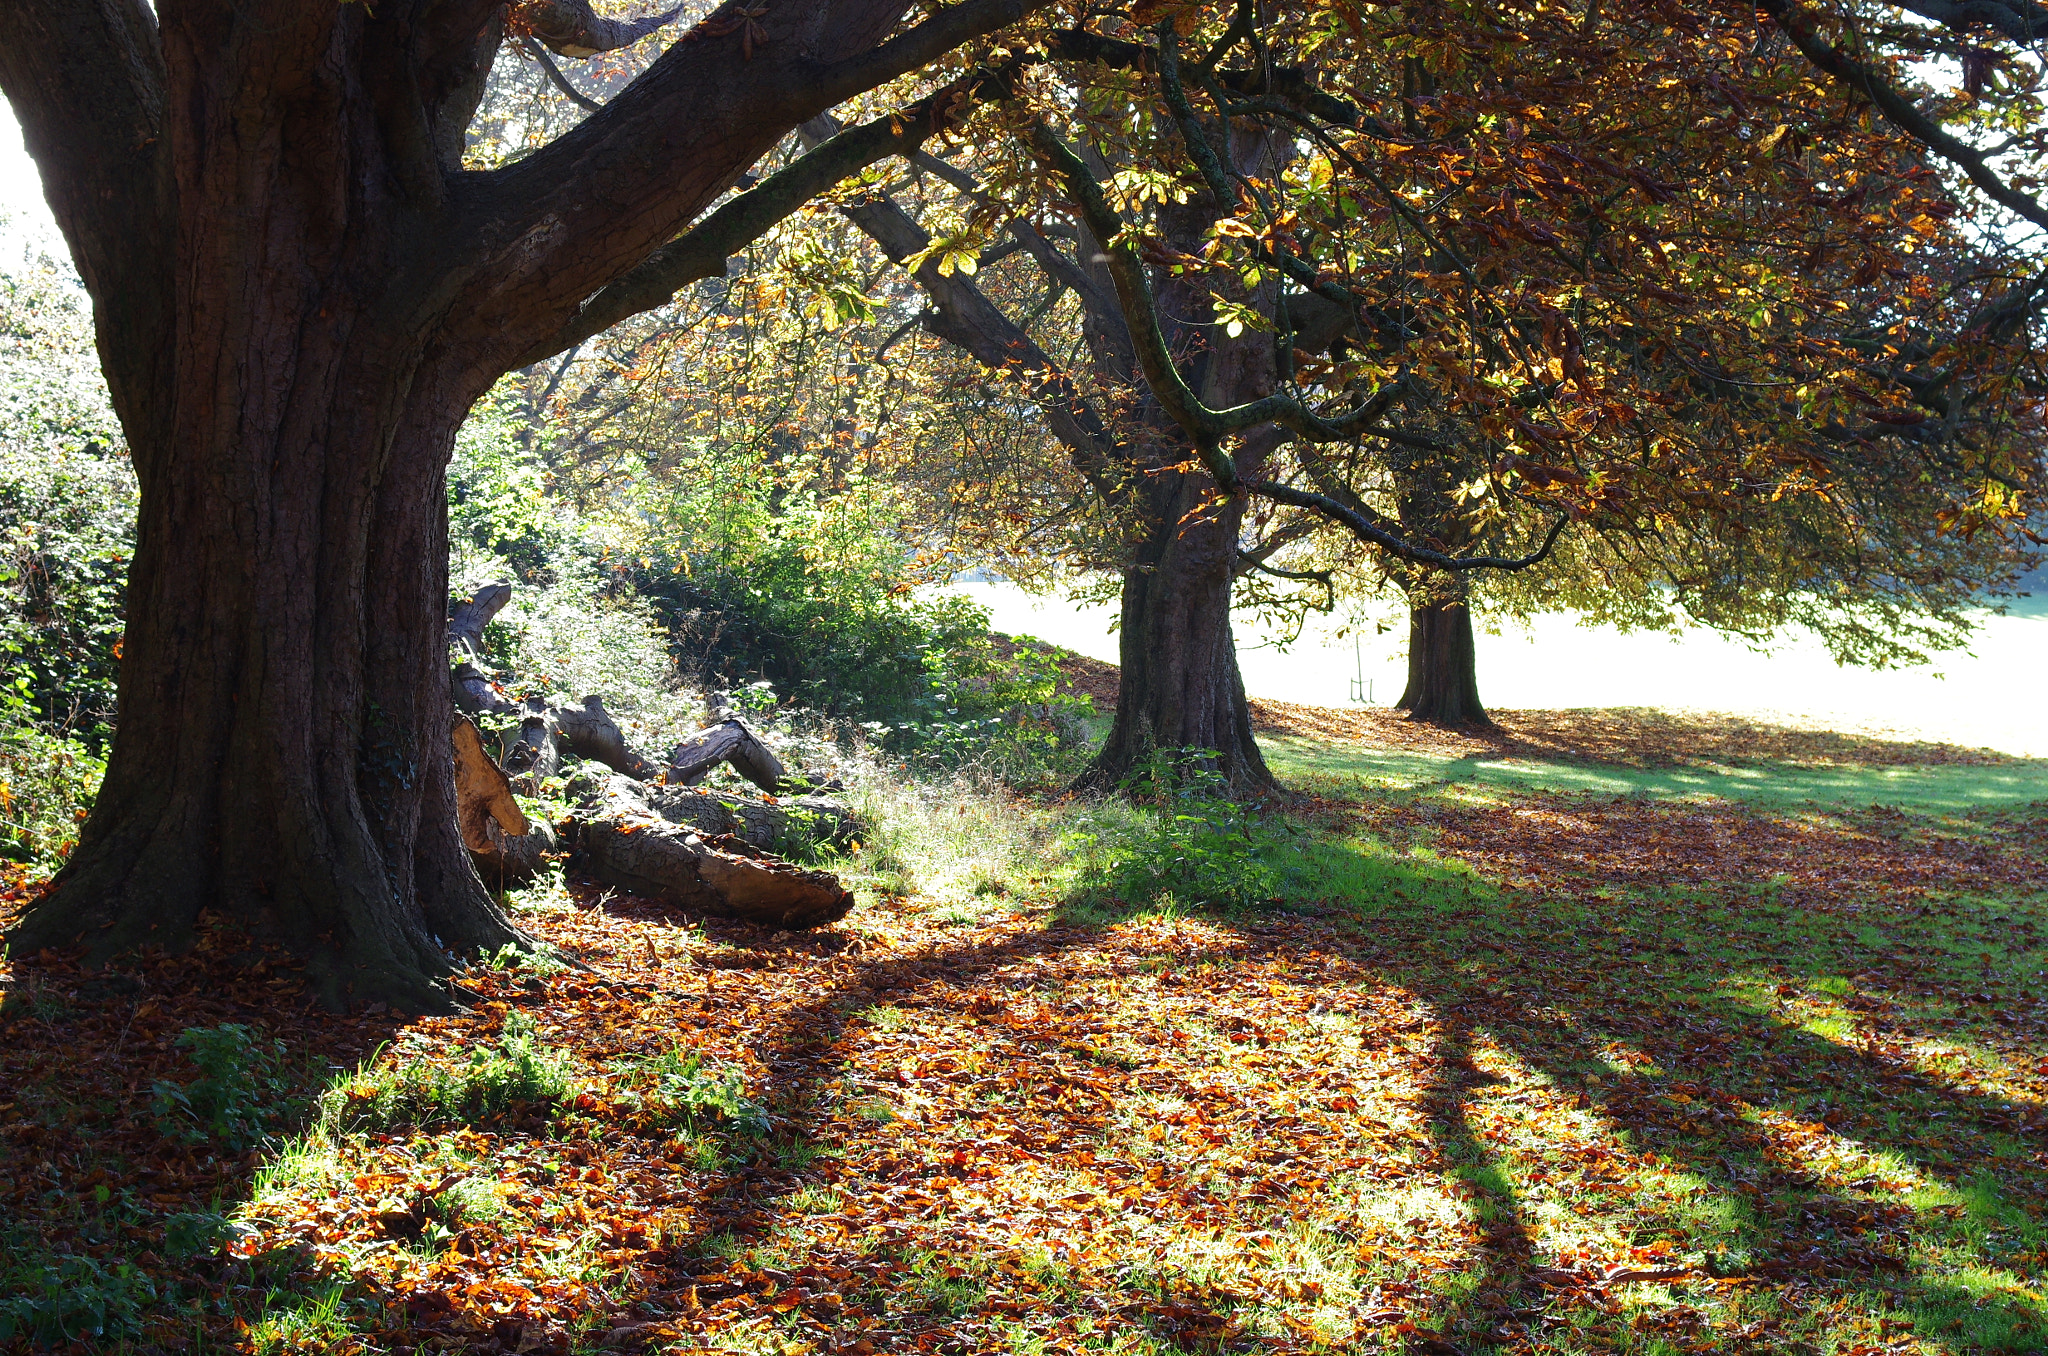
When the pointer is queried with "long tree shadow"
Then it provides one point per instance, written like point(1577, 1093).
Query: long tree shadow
point(1732, 1097)
point(1753, 1104)
point(1710, 1082)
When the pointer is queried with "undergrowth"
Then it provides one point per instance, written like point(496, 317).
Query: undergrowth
point(678, 1090)
point(518, 1071)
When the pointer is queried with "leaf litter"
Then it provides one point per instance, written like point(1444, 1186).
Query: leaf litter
point(1571, 1073)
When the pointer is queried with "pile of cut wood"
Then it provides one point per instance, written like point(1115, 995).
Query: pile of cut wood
point(646, 827)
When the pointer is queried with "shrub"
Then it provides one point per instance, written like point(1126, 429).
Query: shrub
point(68, 1299)
point(47, 785)
point(675, 1088)
point(67, 506)
point(520, 1070)
point(240, 1093)
point(1182, 837)
point(574, 625)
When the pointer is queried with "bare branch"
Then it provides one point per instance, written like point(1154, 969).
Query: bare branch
point(561, 82)
point(571, 28)
point(962, 315)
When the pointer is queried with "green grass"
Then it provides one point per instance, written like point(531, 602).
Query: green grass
point(519, 1070)
point(1350, 769)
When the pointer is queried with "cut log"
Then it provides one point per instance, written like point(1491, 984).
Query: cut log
point(785, 826)
point(729, 741)
point(537, 754)
point(589, 731)
point(482, 792)
point(466, 623)
point(474, 691)
point(626, 844)
point(507, 848)
point(514, 861)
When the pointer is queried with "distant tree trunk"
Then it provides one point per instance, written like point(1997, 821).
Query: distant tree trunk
point(1443, 672)
point(1180, 688)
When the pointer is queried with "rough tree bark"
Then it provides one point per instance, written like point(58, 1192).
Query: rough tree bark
point(1443, 667)
point(1179, 687)
point(1443, 674)
point(298, 295)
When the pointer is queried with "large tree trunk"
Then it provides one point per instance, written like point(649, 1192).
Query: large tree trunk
point(282, 755)
point(1443, 674)
point(299, 293)
point(1180, 690)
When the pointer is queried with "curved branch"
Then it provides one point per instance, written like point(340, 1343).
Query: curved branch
point(1899, 111)
point(1248, 562)
point(1393, 544)
point(571, 28)
point(701, 251)
point(561, 82)
point(1207, 428)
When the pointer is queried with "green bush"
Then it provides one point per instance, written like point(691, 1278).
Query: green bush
point(816, 593)
point(520, 1070)
point(242, 1090)
point(67, 507)
point(746, 583)
point(574, 625)
point(67, 529)
point(47, 785)
point(1181, 837)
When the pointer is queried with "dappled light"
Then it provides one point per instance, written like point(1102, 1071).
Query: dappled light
point(513, 838)
point(1523, 1073)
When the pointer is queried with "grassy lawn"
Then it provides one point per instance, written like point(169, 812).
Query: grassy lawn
point(1473, 1051)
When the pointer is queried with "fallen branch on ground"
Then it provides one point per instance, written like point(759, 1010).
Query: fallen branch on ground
point(647, 829)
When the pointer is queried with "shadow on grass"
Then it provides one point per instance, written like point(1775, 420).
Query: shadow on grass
point(1851, 1180)
point(1852, 1183)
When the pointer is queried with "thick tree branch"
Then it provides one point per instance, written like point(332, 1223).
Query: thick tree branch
point(1207, 428)
point(962, 315)
point(542, 235)
point(2015, 19)
point(701, 251)
point(86, 79)
point(571, 28)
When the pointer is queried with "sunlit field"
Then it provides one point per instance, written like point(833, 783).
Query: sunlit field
point(1986, 696)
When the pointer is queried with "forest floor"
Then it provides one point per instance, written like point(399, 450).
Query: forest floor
point(1619, 1032)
